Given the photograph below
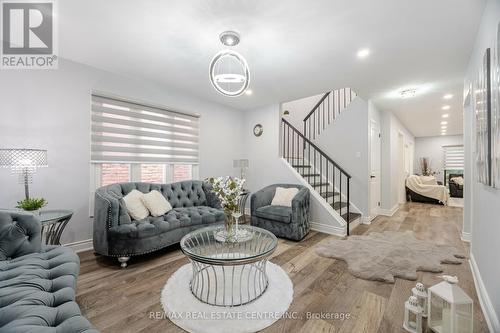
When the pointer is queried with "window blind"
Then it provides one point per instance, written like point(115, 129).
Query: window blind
point(453, 157)
point(129, 132)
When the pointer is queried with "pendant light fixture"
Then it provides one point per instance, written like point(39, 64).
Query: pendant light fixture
point(229, 72)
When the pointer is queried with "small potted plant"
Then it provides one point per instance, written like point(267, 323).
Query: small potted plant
point(32, 205)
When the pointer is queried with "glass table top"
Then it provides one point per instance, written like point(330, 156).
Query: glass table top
point(49, 216)
point(202, 245)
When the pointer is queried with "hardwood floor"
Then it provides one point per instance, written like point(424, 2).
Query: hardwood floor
point(117, 300)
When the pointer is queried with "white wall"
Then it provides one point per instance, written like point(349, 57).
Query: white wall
point(299, 109)
point(266, 165)
point(485, 201)
point(390, 128)
point(346, 142)
point(432, 147)
point(51, 110)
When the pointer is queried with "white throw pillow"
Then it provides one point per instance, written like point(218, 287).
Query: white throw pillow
point(284, 196)
point(156, 203)
point(135, 206)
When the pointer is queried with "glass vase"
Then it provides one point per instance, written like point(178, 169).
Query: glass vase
point(229, 225)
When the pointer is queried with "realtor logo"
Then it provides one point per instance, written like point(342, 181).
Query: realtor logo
point(28, 35)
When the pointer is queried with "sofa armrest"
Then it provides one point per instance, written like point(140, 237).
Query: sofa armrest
point(262, 198)
point(20, 234)
point(300, 206)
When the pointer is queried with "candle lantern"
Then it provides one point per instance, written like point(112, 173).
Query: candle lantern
point(421, 294)
point(450, 308)
point(413, 316)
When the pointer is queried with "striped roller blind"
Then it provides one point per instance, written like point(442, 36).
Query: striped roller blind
point(128, 132)
point(453, 157)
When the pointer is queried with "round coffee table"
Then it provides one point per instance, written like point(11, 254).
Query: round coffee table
point(228, 273)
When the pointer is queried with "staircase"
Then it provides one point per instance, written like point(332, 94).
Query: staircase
point(324, 175)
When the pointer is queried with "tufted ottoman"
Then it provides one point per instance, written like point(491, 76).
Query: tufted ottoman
point(37, 283)
point(117, 235)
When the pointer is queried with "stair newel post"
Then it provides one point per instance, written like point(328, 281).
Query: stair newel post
point(328, 180)
point(320, 173)
point(340, 191)
point(283, 147)
point(348, 205)
point(304, 132)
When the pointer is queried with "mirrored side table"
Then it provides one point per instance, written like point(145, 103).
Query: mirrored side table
point(53, 224)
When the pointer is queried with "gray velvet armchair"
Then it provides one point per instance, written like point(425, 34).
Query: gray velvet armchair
point(286, 222)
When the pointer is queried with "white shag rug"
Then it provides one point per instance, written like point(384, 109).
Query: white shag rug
point(192, 315)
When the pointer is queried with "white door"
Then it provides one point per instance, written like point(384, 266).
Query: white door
point(375, 151)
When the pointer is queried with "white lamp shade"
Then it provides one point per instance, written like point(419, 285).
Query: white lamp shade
point(23, 158)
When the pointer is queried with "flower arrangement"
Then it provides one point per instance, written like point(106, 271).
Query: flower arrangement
point(228, 190)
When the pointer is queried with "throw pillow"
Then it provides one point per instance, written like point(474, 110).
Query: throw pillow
point(156, 203)
point(284, 196)
point(135, 206)
point(457, 180)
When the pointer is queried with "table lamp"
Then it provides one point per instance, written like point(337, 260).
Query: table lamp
point(242, 164)
point(23, 162)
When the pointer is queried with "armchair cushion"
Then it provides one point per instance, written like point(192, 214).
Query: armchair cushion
point(275, 213)
point(284, 196)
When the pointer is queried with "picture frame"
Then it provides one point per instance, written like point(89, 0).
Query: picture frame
point(482, 106)
point(495, 112)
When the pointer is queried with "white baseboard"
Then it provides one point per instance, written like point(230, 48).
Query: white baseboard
point(389, 212)
point(484, 299)
point(80, 246)
point(466, 236)
point(329, 229)
point(367, 219)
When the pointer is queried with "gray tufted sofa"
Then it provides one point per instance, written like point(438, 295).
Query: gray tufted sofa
point(37, 283)
point(117, 235)
point(287, 222)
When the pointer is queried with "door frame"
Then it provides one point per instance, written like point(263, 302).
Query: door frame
point(373, 213)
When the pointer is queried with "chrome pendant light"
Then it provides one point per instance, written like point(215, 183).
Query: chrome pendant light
point(229, 72)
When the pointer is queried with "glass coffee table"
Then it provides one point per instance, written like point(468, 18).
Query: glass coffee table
point(53, 223)
point(228, 273)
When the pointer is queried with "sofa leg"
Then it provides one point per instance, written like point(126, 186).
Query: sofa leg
point(123, 261)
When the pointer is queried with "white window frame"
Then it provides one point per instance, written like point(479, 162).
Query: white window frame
point(134, 176)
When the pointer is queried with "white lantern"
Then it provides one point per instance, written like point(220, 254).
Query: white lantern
point(421, 294)
point(450, 308)
point(413, 316)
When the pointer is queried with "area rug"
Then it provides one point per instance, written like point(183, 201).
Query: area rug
point(456, 202)
point(384, 256)
point(187, 312)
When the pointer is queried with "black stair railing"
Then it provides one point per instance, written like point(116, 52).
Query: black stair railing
point(326, 110)
point(310, 161)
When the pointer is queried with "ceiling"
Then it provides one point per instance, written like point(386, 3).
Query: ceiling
point(294, 48)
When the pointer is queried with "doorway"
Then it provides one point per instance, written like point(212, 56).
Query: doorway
point(401, 169)
point(375, 168)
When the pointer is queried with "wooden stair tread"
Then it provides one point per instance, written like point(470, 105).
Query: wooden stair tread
point(329, 194)
point(311, 175)
point(353, 216)
point(301, 166)
point(338, 205)
point(319, 184)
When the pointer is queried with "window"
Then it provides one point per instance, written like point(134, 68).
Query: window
point(138, 142)
point(453, 160)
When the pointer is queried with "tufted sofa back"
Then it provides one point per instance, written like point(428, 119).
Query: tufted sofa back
point(181, 194)
point(20, 234)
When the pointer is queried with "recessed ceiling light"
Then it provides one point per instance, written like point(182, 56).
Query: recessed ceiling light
point(229, 38)
point(446, 115)
point(444, 122)
point(443, 127)
point(248, 92)
point(448, 96)
point(363, 53)
point(443, 133)
point(408, 93)
point(446, 107)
